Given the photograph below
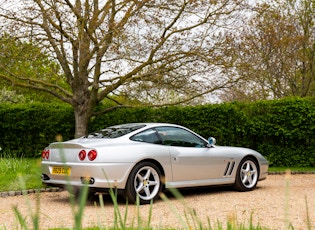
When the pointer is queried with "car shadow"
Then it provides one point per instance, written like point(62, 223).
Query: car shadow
point(106, 199)
point(170, 194)
point(188, 192)
point(198, 191)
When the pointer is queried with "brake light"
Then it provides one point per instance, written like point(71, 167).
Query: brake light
point(92, 155)
point(82, 155)
point(45, 154)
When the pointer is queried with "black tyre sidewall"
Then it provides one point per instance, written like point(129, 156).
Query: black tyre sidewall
point(238, 185)
point(130, 193)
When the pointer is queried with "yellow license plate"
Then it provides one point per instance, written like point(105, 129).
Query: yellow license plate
point(61, 170)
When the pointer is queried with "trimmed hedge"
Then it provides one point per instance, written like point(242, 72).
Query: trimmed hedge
point(282, 130)
point(224, 121)
point(26, 129)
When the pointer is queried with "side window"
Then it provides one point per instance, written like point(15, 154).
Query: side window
point(148, 136)
point(174, 136)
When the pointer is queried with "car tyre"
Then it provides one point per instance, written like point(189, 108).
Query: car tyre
point(144, 182)
point(246, 175)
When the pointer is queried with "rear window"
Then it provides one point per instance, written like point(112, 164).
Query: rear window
point(115, 131)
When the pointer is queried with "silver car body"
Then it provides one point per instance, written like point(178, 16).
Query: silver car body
point(181, 166)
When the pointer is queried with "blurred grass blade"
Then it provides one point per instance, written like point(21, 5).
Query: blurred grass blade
point(82, 201)
point(174, 210)
point(34, 215)
point(308, 219)
point(20, 218)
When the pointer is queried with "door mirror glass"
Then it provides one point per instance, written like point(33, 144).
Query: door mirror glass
point(211, 141)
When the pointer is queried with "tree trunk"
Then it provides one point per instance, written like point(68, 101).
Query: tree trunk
point(82, 116)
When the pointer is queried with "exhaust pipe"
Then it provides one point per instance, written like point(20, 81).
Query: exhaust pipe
point(87, 180)
point(45, 177)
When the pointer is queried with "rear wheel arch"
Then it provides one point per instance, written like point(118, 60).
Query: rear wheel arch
point(145, 165)
point(156, 163)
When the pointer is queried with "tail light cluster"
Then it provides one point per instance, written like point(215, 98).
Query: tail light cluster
point(45, 154)
point(92, 154)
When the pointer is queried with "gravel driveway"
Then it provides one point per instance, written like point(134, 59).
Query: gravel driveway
point(278, 201)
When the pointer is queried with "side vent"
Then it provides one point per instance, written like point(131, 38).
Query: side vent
point(229, 168)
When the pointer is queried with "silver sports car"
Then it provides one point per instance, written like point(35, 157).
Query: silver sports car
point(141, 159)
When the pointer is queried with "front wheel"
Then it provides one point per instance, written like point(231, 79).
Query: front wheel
point(247, 175)
point(144, 182)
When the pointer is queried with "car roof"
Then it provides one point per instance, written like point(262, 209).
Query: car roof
point(147, 124)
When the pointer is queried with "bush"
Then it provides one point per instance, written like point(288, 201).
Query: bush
point(282, 130)
point(28, 128)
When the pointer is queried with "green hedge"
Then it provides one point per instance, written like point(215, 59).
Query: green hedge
point(282, 130)
point(224, 121)
point(28, 128)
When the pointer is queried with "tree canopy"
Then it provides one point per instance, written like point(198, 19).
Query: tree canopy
point(27, 61)
point(160, 52)
point(275, 52)
point(155, 51)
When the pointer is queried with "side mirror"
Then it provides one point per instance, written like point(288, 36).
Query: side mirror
point(211, 141)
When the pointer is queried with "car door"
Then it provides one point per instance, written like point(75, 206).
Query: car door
point(191, 159)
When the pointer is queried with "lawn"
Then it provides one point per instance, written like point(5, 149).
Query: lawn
point(11, 169)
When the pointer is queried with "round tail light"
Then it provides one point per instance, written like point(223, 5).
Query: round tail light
point(82, 155)
point(92, 155)
point(45, 154)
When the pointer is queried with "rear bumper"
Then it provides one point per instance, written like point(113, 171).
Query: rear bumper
point(96, 175)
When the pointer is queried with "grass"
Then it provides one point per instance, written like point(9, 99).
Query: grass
point(292, 169)
point(12, 168)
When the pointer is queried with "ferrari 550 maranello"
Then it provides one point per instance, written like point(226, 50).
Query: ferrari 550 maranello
point(142, 159)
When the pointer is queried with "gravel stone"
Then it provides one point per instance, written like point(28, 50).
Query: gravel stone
point(277, 203)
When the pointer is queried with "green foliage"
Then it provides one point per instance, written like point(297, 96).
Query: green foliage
point(10, 96)
point(22, 61)
point(282, 130)
point(27, 59)
point(26, 129)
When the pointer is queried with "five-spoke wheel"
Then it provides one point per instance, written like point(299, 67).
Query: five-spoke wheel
point(247, 175)
point(144, 182)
